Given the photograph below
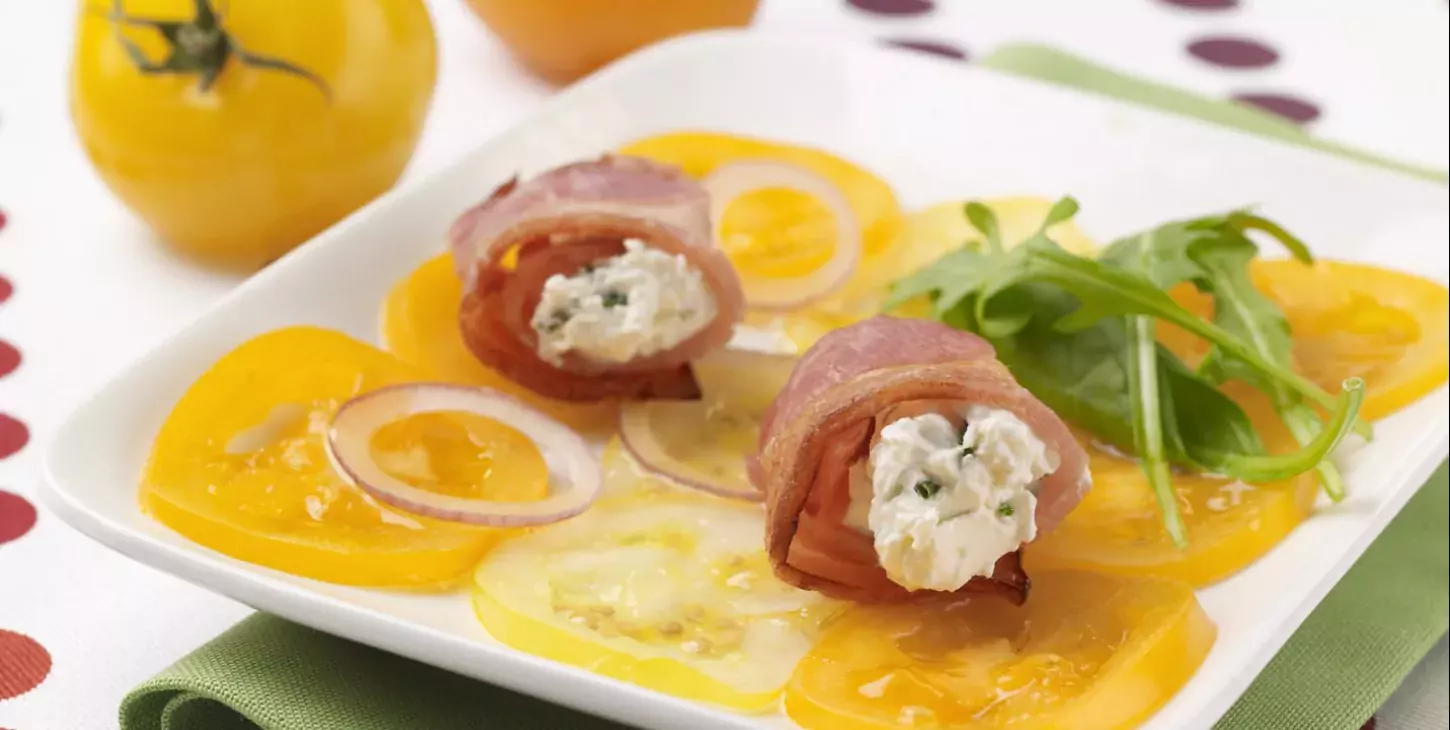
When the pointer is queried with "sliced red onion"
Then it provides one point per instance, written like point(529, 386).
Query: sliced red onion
point(741, 382)
point(349, 447)
point(780, 294)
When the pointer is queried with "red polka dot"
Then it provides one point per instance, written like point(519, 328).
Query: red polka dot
point(1203, 4)
point(9, 358)
point(17, 516)
point(24, 664)
point(3, 220)
point(1369, 725)
point(894, 7)
point(6, 289)
point(1289, 107)
point(1233, 52)
point(13, 435)
point(938, 48)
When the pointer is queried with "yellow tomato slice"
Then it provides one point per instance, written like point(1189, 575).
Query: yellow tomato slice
point(420, 327)
point(240, 466)
point(1352, 320)
point(462, 455)
point(777, 232)
point(673, 593)
point(786, 233)
point(1087, 652)
point(758, 225)
point(1349, 320)
point(706, 442)
point(1118, 527)
point(926, 236)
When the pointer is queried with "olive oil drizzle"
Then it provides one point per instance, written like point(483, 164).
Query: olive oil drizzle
point(200, 46)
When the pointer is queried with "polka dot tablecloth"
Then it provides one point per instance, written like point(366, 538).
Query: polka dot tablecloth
point(83, 289)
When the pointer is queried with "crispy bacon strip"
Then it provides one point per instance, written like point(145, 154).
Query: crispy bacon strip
point(845, 389)
point(559, 222)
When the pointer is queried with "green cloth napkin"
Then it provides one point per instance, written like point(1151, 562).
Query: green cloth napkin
point(1338, 669)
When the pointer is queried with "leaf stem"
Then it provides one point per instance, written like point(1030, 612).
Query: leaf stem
point(1256, 468)
point(1148, 423)
point(1303, 423)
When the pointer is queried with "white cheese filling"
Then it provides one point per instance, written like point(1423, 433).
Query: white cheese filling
point(633, 305)
point(945, 504)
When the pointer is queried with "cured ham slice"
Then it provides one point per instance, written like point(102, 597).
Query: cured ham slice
point(853, 382)
point(574, 216)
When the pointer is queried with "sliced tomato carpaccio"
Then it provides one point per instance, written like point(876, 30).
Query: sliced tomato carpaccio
point(1087, 652)
point(672, 593)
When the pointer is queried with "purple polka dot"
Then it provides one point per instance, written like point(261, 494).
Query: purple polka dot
point(17, 516)
point(13, 436)
point(936, 48)
point(1233, 52)
point(9, 358)
point(1203, 4)
point(894, 7)
point(1289, 107)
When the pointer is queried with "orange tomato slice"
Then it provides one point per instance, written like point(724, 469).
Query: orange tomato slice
point(1118, 527)
point(781, 223)
point(420, 327)
point(1349, 320)
point(240, 466)
point(1353, 320)
point(786, 233)
point(1086, 652)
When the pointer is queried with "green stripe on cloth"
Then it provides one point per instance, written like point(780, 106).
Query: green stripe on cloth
point(1341, 665)
point(1064, 69)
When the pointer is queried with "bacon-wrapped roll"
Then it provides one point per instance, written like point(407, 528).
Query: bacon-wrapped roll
point(615, 288)
point(902, 459)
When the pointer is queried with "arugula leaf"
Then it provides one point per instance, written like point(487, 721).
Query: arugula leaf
point(1242, 310)
point(1199, 420)
point(1106, 291)
point(1082, 376)
point(952, 277)
point(1144, 395)
point(1161, 255)
point(1269, 468)
point(983, 219)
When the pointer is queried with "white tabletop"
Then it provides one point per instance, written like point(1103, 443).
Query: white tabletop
point(92, 291)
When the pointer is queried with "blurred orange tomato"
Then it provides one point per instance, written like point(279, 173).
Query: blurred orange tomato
point(562, 40)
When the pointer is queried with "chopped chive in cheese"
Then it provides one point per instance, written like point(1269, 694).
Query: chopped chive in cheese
point(946, 504)
point(639, 303)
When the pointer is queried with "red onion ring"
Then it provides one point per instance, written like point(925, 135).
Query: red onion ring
point(782, 294)
point(349, 447)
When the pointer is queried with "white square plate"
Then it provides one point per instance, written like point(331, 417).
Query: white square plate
point(936, 130)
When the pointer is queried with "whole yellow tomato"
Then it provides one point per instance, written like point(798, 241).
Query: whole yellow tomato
point(239, 130)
